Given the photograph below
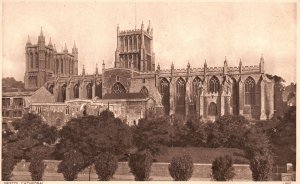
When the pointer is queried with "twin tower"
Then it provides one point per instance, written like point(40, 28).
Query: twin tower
point(44, 61)
point(134, 51)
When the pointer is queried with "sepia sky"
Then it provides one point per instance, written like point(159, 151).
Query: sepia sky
point(182, 32)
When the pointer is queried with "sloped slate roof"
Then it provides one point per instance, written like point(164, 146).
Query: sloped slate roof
point(124, 96)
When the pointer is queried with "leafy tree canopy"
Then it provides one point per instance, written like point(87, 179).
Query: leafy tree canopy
point(152, 134)
point(92, 135)
point(10, 82)
point(30, 134)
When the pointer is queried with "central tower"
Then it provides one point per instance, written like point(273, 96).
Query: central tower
point(134, 49)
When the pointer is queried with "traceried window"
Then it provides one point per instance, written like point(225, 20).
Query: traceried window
point(118, 88)
point(36, 60)
point(250, 91)
point(144, 91)
point(51, 89)
point(214, 85)
point(180, 90)
point(98, 90)
point(31, 60)
point(89, 91)
point(61, 66)
point(76, 91)
point(63, 92)
point(196, 84)
point(212, 109)
point(57, 66)
point(165, 93)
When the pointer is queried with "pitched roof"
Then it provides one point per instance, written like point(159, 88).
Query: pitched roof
point(124, 96)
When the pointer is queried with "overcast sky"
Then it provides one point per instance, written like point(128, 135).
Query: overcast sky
point(182, 32)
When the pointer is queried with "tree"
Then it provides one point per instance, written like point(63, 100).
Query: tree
point(152, 134)
point(196, 135)
point(71, 165)
point(181, 168)
point(140, 165)
point(36, 169)
point(30, 133)
point(222, 168)
point(8, 165)
point(232, 129)
point(106, 166)
point(10, 82)
point(93, 135)
point(283, 138)
point(261, 167)
point(256, 143)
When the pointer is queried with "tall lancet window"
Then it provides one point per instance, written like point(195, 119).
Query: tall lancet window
point(249, 91)
point(214, 85)
point(89, 91)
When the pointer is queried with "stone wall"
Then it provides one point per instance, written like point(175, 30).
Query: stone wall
point(159, 171)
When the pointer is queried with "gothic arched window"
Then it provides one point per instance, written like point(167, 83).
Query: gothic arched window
point(165, 93)
point(89, 91)
point(76, 91)
point(214, 85)
point(180, 88)
point(63, 92)
point(249, 91)
point(212, 109)
point(57, 66)
point(118, 88)
point(61, 66)
point(51, 89)
point(180, 94)
point(31, 60)
point(98, 90)
point(144, 91)
point(46, 60)
point(36, 60)
point(196, 84)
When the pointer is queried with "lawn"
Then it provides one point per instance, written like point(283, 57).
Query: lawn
point(204, 155)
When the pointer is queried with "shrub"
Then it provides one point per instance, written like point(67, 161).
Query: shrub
point(71, 165)
point(106, 166)
point(261, 167)
point(222, 169)
point(152, 134)
point(140, 165)
point(8, 165)
point(181, 168)
point(36, 169)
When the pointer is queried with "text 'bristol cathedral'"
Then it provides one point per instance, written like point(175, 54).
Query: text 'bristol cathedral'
point(134, 88)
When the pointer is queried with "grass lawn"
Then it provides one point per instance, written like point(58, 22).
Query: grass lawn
point(204, 155)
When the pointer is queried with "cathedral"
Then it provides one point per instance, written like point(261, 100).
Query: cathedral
point(135, 88)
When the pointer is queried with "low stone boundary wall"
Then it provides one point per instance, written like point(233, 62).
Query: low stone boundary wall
point(159, 171)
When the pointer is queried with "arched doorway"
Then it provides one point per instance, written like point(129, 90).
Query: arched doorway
point(212, 109)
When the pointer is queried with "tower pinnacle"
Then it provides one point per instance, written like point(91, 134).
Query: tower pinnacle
point(28, 41)
point(50, 43)
point(65, 49)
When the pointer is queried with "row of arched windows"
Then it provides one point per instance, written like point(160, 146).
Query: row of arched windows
point(88, 88)
point(213, 87)
point(64, 66)
point(34, 58)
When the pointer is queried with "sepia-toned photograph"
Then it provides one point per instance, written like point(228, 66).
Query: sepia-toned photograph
point(148, 91)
